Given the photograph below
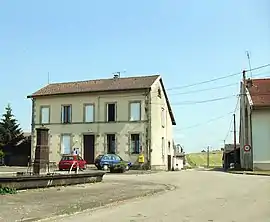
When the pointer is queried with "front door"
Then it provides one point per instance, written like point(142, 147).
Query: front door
point(89, 148)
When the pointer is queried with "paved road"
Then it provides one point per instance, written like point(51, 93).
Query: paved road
point(199, 197)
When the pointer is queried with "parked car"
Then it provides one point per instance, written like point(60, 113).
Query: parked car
point(67, 161)
point(111, 161)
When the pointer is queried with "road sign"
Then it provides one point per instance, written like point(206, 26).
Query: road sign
point(247, 148)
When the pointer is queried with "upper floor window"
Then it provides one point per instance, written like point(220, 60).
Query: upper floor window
point(159, 92)
point(66, 114)
point(163, 117)
point(45, 115)
point(89, 113)
point(135, 111)
point(111, 112)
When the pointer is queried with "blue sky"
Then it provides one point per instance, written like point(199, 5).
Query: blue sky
point(185, 41)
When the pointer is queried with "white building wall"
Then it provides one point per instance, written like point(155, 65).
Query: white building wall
point(261, 139)
point(159, 158)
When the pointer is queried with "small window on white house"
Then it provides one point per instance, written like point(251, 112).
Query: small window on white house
point(163, 117)
point(89, 113)
point(45, 115)
point(159, 92)
point(66, 144)
point(135, 111)
point(163, 146)
point(135, 143)
point(66, 114)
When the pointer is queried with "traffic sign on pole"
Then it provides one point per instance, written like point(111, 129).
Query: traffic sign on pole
point(247, 148)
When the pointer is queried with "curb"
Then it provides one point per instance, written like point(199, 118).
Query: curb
point(249, 173)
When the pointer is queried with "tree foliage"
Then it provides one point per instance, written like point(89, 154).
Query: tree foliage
point(10, 131)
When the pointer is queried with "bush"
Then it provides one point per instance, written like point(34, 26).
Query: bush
point(2, 154)
point(6, 190)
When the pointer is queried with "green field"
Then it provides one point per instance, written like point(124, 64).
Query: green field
point(200, 159)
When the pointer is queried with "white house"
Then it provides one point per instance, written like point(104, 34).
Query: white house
point(255, 124)
point(126, 116)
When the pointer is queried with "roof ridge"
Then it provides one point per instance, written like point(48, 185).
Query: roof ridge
point(81, 81)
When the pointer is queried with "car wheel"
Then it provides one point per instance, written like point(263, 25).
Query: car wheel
point(105, 167)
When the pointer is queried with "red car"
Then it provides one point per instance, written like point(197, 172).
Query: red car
point(67, 161)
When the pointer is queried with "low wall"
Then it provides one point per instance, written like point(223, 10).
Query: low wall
point(41, 181)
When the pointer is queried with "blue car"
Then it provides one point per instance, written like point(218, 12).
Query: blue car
point(108, 161)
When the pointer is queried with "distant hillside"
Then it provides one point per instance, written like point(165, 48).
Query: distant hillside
point(200, 159)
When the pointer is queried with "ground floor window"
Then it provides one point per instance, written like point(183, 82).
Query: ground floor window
point(66, 144)
point(135, 143)
point(111, 143)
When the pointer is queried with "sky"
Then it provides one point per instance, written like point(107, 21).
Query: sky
point(185, 42)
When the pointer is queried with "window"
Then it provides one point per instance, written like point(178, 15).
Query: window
point(66, 144)
point(66, 114)
point(159, 92)
point(135, 143)
point(163, 146)
point(135, 111)
point(111, 144)
point(111, 112)
point(163, 117)
point(45, 115)
point(89, 113)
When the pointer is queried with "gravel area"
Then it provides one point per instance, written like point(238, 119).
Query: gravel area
point(32, 205)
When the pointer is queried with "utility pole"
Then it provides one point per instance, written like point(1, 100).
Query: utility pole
point(208, 157)
point(234, 138)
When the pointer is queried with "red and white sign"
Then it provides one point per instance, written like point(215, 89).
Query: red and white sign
point(247, 148)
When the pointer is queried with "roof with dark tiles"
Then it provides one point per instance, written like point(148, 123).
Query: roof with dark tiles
point(102, 85)
point(260, 92)
point(99, 85)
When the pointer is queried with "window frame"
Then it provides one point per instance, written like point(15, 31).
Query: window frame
point(84, 112)
point(40, 114)
point(130, 143)
point(163, 117)
point(62, 113)
point(107, 113)
point(130, 110)
point(115, 143)
point(159, 92)
point(61, 143)
point(163, 146)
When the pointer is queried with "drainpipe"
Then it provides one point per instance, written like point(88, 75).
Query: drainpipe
point(251, 137)
point(33, 130)
point(149, 149)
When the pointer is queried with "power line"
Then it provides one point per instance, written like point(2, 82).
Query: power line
point(203, 101)
point(216, 79)
point(207, 89)
point(213, 88)
point(209, 121)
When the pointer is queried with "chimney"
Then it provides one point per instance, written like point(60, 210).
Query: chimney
point(249, 83)
point(116, 75)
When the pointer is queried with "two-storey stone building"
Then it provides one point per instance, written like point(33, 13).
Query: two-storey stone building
point(126, 116)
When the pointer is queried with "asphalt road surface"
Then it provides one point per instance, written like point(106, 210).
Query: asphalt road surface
point(199, 196)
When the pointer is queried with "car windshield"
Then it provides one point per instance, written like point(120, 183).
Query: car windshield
point(116, 157)
point(66, 158)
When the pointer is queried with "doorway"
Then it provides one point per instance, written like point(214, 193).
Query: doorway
point(89, 148)
point(169, 162)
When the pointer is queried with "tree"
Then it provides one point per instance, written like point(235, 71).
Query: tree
point(10, 131)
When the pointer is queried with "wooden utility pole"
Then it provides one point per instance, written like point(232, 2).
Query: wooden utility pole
point(234, 139)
